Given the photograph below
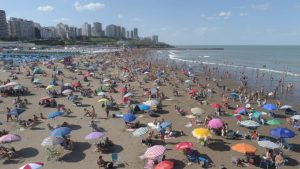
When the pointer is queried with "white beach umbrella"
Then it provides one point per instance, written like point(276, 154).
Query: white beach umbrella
point(268, 144)
point(197, 111)
point(52, 140)
point(286, 107)
point(128, 94)
point(250, 123)
point(67, 92)
point(296, 117)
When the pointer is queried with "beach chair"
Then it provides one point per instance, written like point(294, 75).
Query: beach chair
point(53, 154)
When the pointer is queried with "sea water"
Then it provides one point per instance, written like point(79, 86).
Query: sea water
point(270, 62)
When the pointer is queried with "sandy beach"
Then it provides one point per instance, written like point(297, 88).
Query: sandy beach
point(115, 66)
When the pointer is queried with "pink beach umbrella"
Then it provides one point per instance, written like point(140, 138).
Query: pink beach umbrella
point(36, 165)
point(215, 123)
point(94, 135)
point(154, 151)
point(10, 138)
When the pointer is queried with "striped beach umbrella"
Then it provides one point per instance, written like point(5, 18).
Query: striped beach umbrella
point(250, 123)
point(140, 131)
point(8, 138)
point(52, 140)
point(35, 165)
point(154, 151)
point(268, 144)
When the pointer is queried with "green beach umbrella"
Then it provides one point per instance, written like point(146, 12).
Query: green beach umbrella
point(274, 122)
point(256, 115)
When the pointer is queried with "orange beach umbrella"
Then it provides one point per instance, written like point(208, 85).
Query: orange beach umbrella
point(243, 148)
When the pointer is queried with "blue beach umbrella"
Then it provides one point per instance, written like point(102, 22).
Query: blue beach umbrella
point(129, 117)
point(61, 131)
point(234, 95)
point(282, 133)
point(144, 107)
point(165, 125)
point(270, 107)
point(16, 111)
point(55, 114)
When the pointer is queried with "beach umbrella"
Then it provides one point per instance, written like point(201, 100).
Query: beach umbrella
point(270, 107)
point(10, 84)
point(50, 87)
point(248, 105)
point(274, 122)
point(187, 81)
point(151, 103)
point(268, 144)
point(8, 138)
point(183, 145)
point(216, 105)
point(165, 165)
point(215, 123)
point(101, 94)
point(243, 148)
point(37, 70)
point(256, 115)
point(103, 100)
point(201, 133)
point(106, 80)
point(193, 91)
point(37, 81)
point(296, 117)
point(286, 107)
point(282, 133)
point(16, 111)
point(61, 131)
point(52, 140)
point(55, 114)
point(122, 89)
point(250, 123)
point(240, 110)
point(18, 87)
point(67, 92)
point(197, 111)
point(67, 84)
point(144, 107)
point(86, 74)
point(128, 94)
point(165, 125)
point(154, 151)
point(129, 117)
point(94, 135)
point(234, 95)
point(35, 165)
point(140, 131)
point(76, 84)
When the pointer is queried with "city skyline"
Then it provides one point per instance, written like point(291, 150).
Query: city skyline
point(175, 22)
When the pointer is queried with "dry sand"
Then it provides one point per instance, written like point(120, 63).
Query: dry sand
point(128, 147)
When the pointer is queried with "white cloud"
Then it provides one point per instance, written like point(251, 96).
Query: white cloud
point(120, 16)
point(243, 14)
point(262, 7)
point(204, 30)
point(163, 29)
point(225, 14)
point(208, 17)
point(89, 6)
point(46, 8)
point(61, 20)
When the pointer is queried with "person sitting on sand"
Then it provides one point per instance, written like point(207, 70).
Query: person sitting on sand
point(68, 144)
point(108, 142)
point(104, 164)
point(87, 113)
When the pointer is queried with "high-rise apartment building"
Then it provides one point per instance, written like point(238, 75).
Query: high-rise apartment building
point(155, 38)
point(135, 33)
point(97, 29)
point(3, 25)
point(21, 29)
point(86, 30)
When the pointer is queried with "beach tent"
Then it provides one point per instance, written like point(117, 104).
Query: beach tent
point(37, 70)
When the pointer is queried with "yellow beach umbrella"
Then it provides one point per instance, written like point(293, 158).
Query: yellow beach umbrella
point(50, 87)
point(103, 100)
point(201, 133)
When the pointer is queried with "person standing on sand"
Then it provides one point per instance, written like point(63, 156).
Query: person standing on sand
point(107, 111)
point(8, 115)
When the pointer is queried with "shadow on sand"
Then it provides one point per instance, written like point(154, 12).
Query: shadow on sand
point(77, 154)
point(219, 146)
point(28, 152)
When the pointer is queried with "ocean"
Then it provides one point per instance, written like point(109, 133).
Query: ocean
point(269, 62)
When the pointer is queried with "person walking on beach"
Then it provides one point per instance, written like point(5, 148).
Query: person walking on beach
point(107, 111)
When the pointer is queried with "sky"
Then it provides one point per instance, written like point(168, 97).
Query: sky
point(177, 22)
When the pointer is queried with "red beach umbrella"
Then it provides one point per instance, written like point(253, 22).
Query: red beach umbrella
point(165, 165)
point(216, 105)
point(184, 145)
